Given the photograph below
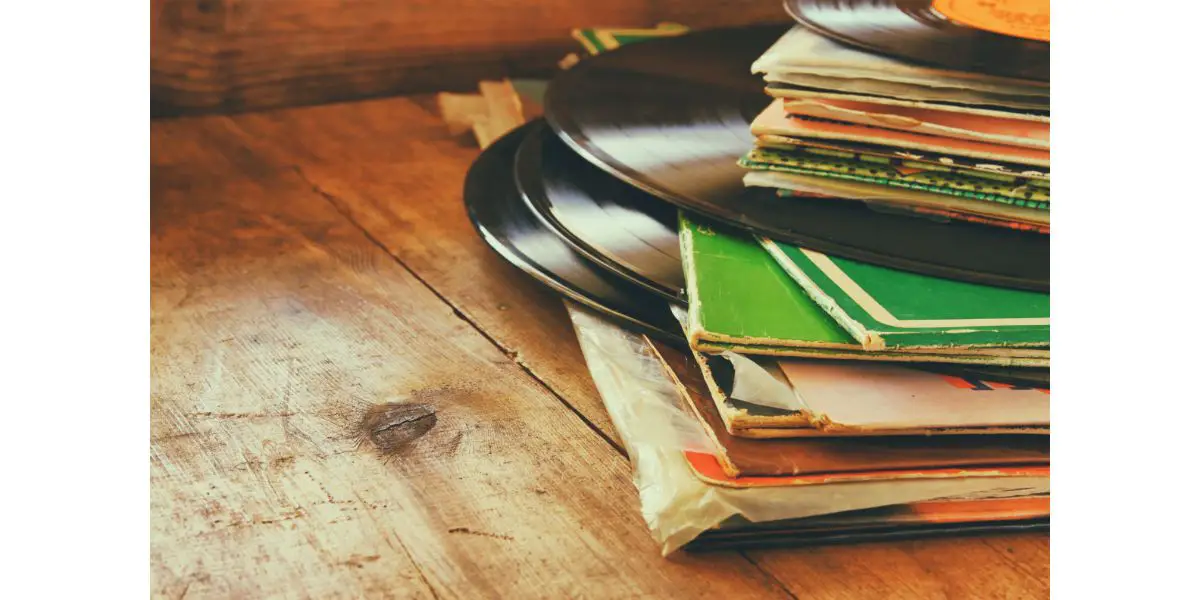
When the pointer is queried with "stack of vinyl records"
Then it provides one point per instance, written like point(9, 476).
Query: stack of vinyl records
point(808, 266)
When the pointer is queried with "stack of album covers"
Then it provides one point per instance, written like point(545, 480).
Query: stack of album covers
point(807, 263)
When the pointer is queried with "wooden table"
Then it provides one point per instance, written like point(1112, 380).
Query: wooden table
point(311, 268)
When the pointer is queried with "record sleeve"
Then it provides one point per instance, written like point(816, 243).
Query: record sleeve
point(886, 308)
point(875, 457)
point(753, 408)
point(741, 299)
point(682, 489)
point(671, 116)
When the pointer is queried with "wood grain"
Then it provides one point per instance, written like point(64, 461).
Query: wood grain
point(312, 269)
point(236, 55)
point(1010, 566)
point(277, 327)
point(417, 214)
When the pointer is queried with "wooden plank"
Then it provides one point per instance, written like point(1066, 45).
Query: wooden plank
point(1010, 566)
point(235, 55)
point(323, 425)
point(504, 111)
point(392, 167)
point(461, 111)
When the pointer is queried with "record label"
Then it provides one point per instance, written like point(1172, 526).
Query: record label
point(1001, 38)
point(1029, 19)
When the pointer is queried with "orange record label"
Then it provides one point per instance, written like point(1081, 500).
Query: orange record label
point(1029, 19)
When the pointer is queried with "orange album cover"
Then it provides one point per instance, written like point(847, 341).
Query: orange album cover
point(774, 120)
point(988, 509)
point(931, 512)
point(995, 130)
point(708, 468)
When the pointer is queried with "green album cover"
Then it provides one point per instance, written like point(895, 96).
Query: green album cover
point(602, 39)
point(740, 298)
point(889, 308)
point(984, 357)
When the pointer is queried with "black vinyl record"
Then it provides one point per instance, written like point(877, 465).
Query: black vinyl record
point(1018, 376)
point(783, 537)
point(612, 223)
point(511, 228)
point(672, 116)
point(916, 31)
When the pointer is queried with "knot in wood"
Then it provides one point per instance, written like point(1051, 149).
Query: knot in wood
point(392, 426)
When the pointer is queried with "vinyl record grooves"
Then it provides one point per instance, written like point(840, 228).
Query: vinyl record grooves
point(671, 117)
point(916, 31)
point(1020, 376)
point(508, 225)
point(717, 540)
point(615, 225)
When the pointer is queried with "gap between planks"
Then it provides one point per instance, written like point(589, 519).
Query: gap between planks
point(512, 355)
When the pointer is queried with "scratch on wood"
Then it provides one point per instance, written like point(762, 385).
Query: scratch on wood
point(193, 578)
point(174, 436)
point(452, 445)
point(187, 295)
point(233, 415)
point(256, 463)
point(470, 531)
point(238, 522)
point(324, 490)
point(356, 560)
